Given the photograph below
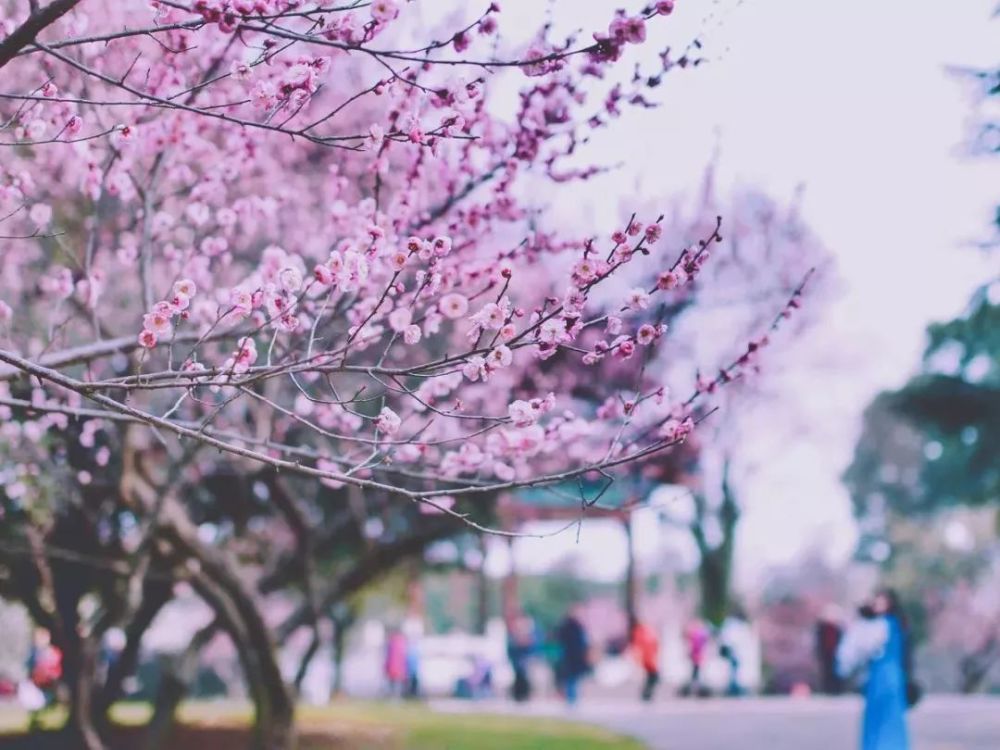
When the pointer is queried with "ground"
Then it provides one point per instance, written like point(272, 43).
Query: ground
point(938, 723)
point(349, 726)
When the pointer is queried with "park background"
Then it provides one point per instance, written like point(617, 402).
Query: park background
point(870, 456)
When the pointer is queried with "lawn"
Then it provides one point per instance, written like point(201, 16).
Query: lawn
point(349, 725)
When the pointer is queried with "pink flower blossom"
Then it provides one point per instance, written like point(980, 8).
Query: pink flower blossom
point(491, 317)
point(147, 339)
point(475, 369)
point(186, 287)
point(245, 356)
point(399, 319)
point(290, 278)
point(552, 331)
point(40, 214)
point(58, 283)
point(453, 305)
point(158, 322)
point(323, 275)
point(240, 70)
point(585, 270)
point(521, 413)
point(637, 299)
point(675, 430)
point(241, 301)
point(442, 246)
point(635, 30)
point(384, 11)
point(412, 334)
point(503, 472)
point(397, 260)
point(388, 421)
point(500, 357)
point(288, 323)
point(646, 334)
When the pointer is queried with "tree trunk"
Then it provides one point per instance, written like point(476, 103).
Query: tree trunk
point(510, 603)
point(179, 672)
point(155, 596)
point(716, 562)
point(482, 590)
point(81, 726)
point(631, 592)
point(234, 605)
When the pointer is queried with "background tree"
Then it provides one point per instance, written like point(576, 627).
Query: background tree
point(925, 479)
point(282, 304)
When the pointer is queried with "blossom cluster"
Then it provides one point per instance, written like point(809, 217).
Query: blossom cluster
point(353, 280)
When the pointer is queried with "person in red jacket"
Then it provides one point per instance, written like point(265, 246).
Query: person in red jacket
point(44, 671)
point(645, 648)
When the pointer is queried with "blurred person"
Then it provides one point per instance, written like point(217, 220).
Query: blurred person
point(696, 638)
point(645, 646)
point(112, 645)
point(412, 687)
point(395, 663)
point(522, 643)
point(478, 683)
point(734, 635)
point(44, 673)
point(878, 641)
point(829, 632)
point(574, 656)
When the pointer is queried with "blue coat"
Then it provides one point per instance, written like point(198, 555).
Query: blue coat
point(884, 725)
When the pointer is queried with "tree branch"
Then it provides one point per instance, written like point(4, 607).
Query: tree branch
point(25, 34)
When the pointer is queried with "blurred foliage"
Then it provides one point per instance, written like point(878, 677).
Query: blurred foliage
point(925, 479)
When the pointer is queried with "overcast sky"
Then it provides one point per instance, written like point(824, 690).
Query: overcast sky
point(851, 99)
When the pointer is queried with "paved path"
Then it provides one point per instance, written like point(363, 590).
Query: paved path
point(938, 723)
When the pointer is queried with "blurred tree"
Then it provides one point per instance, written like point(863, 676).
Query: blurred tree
point(925, 479)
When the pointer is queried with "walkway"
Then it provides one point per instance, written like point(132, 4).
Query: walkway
point(938, 723)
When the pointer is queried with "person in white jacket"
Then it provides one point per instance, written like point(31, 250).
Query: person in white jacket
point(877, 643)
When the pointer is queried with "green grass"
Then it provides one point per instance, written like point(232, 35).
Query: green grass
point(416, 728)
point(357, 725)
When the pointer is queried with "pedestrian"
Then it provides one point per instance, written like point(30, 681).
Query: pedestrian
point(734, 637)
point(412, 688)
point(44, 672)
point(574, 657)
point(696, 637)
point(879, 642)
point(646, 648)
point(522, 643)
point(395, 663)
point(829, 631)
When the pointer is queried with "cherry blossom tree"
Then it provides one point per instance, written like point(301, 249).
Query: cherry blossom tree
point(274, 259)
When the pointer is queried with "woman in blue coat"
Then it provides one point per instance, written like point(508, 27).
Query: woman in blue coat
point(878, 641)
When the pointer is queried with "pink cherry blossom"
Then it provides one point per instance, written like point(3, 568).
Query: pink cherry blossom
point(637, 299)
point(388, 421)
point(646, 334)
point(454, 305)
point(147, 339)
point(412, 334)
point(399, 319)
point(159, 323)
point(384, 11)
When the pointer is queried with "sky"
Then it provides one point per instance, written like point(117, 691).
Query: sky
point(853, 101)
